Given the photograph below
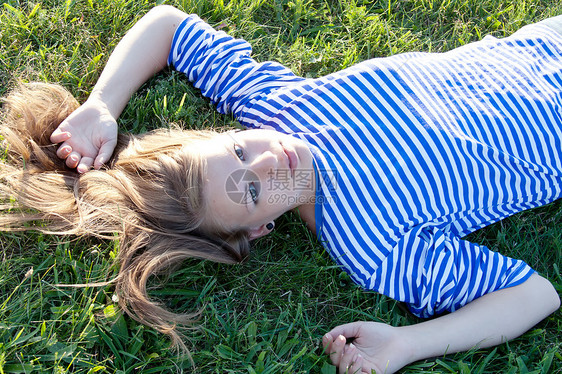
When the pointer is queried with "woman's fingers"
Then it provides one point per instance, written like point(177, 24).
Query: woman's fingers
point(348, 330)
point(357, 367)
point(59, 136)
point(334, 348)
point(349, 363)
point(85, 164)
point(327, 339)
point(73, 160)
point(346, 357)
point(64, 151)
point(104, 154)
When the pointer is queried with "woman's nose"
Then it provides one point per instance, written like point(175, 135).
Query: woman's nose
point(265, 163)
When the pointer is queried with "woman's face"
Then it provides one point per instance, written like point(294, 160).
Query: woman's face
point(254, 176)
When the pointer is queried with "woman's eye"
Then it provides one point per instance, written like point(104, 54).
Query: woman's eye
point(239, 152)
point(253, 192)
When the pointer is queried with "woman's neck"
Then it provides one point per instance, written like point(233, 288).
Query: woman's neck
point(307, 214)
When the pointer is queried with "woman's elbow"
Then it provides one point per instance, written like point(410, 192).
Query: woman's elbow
point(165, 12)
point(555, 298)
point(549, 294)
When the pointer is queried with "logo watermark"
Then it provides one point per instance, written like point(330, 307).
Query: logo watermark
point(236, 185)
point(284, 186)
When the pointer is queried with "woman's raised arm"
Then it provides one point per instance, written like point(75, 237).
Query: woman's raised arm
point(89, 134)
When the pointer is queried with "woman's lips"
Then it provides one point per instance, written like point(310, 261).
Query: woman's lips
point(292, 158)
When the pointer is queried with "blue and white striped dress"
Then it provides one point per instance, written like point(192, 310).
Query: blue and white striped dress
point(414, 151)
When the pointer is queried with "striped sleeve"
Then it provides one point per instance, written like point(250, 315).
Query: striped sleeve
point(448, 273)
point(221, 67)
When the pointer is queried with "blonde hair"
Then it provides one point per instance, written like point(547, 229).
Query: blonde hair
point(150, 196)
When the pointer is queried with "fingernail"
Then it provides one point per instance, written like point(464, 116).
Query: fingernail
point(351, 345)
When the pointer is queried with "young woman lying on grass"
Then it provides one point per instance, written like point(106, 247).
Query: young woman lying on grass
point(390, 163)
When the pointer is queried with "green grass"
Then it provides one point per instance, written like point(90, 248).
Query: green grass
point(267, 315)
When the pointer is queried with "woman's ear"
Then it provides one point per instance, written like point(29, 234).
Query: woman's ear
point(258, 232)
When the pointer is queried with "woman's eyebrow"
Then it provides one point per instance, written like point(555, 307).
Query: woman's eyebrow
point(231, 151)
point(229, 133)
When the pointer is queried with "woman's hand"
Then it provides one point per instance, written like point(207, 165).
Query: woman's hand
point(487, 321)
point(88, 136)
point(375, 346)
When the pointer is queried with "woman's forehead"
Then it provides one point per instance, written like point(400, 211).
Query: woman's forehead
point(220, 165)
